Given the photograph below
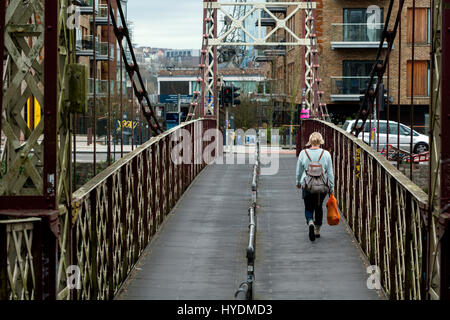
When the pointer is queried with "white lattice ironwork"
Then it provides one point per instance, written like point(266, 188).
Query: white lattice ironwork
point(20, 268)
point(309, 59)
point(260, 39)
point(24, 44)
point(313, 94)
point(211, 41)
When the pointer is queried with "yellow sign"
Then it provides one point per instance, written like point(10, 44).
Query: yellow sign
point(33, 112)
point(358, 163)
point(127, 124)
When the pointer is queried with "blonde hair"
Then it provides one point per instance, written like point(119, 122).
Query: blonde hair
point(315, 139)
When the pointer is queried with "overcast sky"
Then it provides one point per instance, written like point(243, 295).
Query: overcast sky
point(167, 23)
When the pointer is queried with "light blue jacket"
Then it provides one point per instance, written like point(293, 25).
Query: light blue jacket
point(314, 154)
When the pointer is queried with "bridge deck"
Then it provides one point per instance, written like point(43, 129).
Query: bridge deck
point(200, 251)
point(288, 265)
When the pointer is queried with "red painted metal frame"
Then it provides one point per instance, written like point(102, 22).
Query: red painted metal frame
point(203, 63)
point(132, 69)
point(205, 58)
point(2, 50)
point(445, 151)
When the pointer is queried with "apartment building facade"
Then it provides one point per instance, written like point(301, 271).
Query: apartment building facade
point(348, 34)
point(102, 62)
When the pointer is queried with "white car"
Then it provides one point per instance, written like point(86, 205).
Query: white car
point(421, 142)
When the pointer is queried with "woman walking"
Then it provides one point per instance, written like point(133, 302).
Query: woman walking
point(315, 175)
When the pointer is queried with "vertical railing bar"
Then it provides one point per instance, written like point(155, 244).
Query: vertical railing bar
point(132, 116)
point(93, 243)
point(155, 191)
point(393, 219)
point(399, 89)
point(2, 50)
point(136, 208)
point(408, 238)
point(388, 105)
point(168, 180)
point(123, 218)
point(145, 196)
point(109, 235)
point(4, 263)
point(161, 182)
point(411, 158)
point(109, 83)
point(121, 102)
point(94, 48)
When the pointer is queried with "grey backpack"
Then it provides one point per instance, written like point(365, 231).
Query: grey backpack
point(315, 180)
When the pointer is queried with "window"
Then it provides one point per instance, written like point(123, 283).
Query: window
point(355, 75)
point(279, 84)
point(393, 128)
point(383, 126)
point(421, 78)
point(356, 25)
point(291, 77)
point(406, 131)
point(357, 67)
point(291, 26)
point(421, 28)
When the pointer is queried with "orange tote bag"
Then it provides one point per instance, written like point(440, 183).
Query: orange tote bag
point(333, 216)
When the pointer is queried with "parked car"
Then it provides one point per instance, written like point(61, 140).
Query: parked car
point(421, 142)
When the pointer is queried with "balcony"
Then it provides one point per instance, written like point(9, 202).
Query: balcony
point(101, 19)
point(124, 88)
point(275, 41)
point(356, 35)
point(87, 6)
point(101, 88)
point(267, 20)
point(85, 47)
point(349, 88)
point(102, 51)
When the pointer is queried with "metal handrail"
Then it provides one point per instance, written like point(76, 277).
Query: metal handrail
point(245, 291)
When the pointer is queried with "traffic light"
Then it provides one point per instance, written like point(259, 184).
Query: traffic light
point(382, 98)
point(227, 95)
point(221, 97)
point(235, 95)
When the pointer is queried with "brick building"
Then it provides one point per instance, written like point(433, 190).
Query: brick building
point(105, 69)
point(348, 34)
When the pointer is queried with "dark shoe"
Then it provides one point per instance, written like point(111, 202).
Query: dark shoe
point(312, 235)
point(317, 231)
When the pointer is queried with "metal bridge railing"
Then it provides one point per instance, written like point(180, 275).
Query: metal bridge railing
point(384, 209)
point(18, 269)
point(116, 214)
point(111, 221)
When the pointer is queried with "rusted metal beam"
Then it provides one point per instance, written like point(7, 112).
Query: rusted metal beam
point(2, 50)
point(445, 152)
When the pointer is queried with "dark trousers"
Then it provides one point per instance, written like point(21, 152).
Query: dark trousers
point(313, 207)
